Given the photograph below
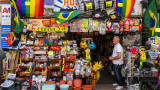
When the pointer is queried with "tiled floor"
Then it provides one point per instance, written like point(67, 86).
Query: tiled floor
point(107, 87)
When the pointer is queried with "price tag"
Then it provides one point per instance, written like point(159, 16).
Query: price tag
point(89, 6)
point(109, 3)
point(120, 4)
point(27, 3)
point(157, 30)
point(50, 53)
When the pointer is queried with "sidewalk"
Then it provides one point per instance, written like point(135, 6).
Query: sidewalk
point(107, 87)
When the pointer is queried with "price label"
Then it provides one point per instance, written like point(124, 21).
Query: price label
point(27, 3)
point(89, 6)
point(157, 30)
point(109, 3)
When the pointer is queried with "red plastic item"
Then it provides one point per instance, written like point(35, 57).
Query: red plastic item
point(77, 82)
point(49, 82)
point(70, 82)
point(87, 87)
point(62, 82)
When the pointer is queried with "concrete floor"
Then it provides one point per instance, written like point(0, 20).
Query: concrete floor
point(107, 87)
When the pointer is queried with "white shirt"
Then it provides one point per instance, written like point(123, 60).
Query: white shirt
point(117, 48)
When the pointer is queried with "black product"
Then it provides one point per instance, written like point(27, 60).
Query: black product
point(114, 16)
point(109, 3)
point(100, 14)
point(12, 87)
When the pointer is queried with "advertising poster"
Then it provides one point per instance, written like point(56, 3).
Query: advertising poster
point(5, 23)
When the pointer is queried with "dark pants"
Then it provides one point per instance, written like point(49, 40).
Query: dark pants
point(118, 75)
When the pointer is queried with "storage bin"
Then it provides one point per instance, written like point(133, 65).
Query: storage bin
point(64, 87)
point(12, 87)
point(48, 87)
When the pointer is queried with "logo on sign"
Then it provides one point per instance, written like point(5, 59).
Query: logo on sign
point(69, 2)
point(6, 10)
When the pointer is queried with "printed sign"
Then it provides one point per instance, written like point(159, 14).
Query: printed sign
point(64, 4)
point(5, 23)
point(55, 29)
point(137, 9)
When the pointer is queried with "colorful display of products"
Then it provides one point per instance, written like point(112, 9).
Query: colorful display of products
point(45, 56)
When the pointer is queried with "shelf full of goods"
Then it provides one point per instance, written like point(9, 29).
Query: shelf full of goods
point(142, 63)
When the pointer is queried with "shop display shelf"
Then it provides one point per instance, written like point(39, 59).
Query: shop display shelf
point(28, 44)
point(56, 59)
point(27, 60)
point(40, 45)
point(24, 67)
point(41, 60)
point(41, 50)
point(40, 68)
point(40, 54)
point(54, 67)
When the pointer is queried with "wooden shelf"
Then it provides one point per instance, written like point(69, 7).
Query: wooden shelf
point(40, 68)
point(54, 67)
point(27, 60)
point(41, 50)
point(41, 45)
point(41, 60)
point(24, 67)
point(56, 59)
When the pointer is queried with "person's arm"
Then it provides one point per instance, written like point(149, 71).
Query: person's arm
point(117, 57)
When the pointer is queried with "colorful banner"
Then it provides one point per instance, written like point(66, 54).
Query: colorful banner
point(5, 23)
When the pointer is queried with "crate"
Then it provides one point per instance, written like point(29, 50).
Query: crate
point(153, 55)
point(138, 73)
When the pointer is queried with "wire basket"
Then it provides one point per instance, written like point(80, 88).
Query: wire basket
point(153, 55)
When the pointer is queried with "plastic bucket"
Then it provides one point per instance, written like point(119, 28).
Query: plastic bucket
point(64, 87)
point(12, 87)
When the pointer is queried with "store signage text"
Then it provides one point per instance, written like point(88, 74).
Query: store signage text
point(69, 2)
point(55, 29)
point(6, 10)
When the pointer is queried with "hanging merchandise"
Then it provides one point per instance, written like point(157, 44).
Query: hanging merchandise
point(115, 28)
point(96, 4)
point(99, 14)
point(125, 7)
point(90, 26)
point(108, 25)
point(137, 9)
point(158, 4)
point(10, 38)
point(96, 25)
point(85, 5)
point(121, 24)
point(63, 5)
point(127, 27)
point(92, 45)
point(102, 4)
point(143, 58)
point(109, 3)
point(64, 16)
point(30, 8)
point(114, 16)
point(151, 18)
point(48, 7)
point(102, 27)
point(19, 25)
